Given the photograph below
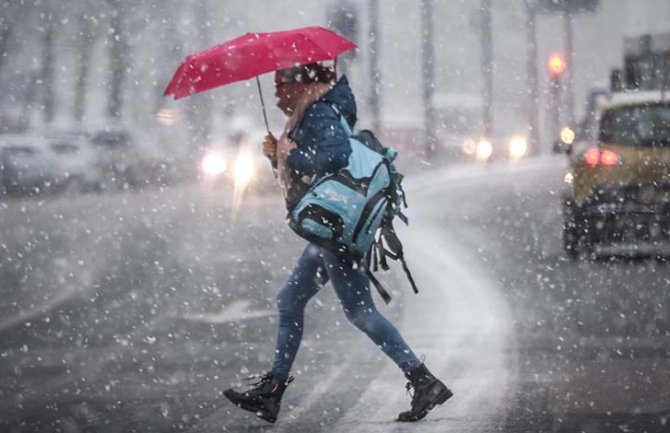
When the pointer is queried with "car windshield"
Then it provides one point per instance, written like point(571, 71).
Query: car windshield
point(111, 139)
point(64, 148)
point(640, 126)
point(20, 150)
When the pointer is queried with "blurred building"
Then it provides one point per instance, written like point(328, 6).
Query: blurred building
point(159, 37)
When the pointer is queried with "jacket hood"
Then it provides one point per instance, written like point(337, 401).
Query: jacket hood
point(339, 95)
point(308, 98)
point(342, 97)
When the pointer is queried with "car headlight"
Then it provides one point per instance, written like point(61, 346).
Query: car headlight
point(568, 178)
point(568, 135)
point(213, 164)
point(469, 146)
point(484, 149)
point(518, 147)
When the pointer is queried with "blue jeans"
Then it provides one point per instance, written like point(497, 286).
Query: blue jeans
point(314, 268)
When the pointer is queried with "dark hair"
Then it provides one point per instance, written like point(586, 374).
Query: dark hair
point(310, 73)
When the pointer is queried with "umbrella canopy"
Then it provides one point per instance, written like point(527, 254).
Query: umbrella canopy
point(254, 54)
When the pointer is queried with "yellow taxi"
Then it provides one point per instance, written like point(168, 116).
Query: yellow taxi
point(617, 185)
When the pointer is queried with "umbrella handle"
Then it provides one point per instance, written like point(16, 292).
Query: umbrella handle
point(260, 93)
point(265, 118)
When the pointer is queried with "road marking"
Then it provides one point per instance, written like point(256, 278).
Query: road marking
point(311, 399)
point(61, 292)
point(236, 311)
point(27, 315)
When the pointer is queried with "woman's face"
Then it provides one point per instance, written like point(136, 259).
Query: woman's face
point(288, 92)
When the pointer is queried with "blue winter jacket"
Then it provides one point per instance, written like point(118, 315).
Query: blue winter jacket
point(322, 145)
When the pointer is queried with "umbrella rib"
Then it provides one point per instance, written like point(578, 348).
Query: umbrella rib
point(254, 54)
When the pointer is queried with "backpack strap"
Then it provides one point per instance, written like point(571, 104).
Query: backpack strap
point(382, 292)
point(383, 253)
point(394, 251)
point(372, 256)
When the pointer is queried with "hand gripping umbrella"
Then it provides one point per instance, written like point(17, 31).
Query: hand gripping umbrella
point(254, 54)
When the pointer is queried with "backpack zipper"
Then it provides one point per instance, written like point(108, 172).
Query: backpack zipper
point(367, 210)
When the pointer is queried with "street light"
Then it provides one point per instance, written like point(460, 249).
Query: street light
point(556, 66)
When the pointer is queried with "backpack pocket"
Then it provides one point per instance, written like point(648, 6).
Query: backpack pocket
point(342, 212)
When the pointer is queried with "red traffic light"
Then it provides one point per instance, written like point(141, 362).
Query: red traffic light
point(556, 65)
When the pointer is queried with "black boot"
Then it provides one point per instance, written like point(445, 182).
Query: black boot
point(263, 399)
point(428, 392)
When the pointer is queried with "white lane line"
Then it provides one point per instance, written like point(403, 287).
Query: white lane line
point(60, 293)
point(286, 422)
point(228, 415)
point(23, 316)
point(237, 310)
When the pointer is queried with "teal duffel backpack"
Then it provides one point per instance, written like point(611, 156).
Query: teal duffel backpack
point(351, 212)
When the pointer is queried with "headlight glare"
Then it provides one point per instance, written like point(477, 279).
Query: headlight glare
point(518, 147)
point(213, 164)
point(484, 149)
point(245, 169)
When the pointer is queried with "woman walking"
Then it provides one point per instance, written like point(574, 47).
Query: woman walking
point(314, 143)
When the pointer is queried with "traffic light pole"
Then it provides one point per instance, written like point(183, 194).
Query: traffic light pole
point(569, 57)
point(428, 52)
point(375, 73)
point(531, 70)
point(554, 108)
point(487, 67)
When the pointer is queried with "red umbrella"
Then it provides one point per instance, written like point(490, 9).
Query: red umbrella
point(254, 54)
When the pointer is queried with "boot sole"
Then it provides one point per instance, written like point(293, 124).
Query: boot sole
point(445, 395)
point(265, 416)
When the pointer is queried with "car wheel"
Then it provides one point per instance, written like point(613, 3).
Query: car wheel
point(571, 232)
point(587, 239)
point(74, 186)
point(11, 189)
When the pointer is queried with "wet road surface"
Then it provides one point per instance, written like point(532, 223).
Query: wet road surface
point(132, 312)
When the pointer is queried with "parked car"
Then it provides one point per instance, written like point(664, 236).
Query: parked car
point(53, 162)
point(26, 164)
point(617, 186)
point(129, 161)
point(75, 163)
point(116, 155)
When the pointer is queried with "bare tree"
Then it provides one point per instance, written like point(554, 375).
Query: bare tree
point(18, 83)
point(47, 67)
point(428, 75)
point(9, 14)
point(28, 99)
point(200, 108)
point(6, 28)
point(84, 57)
point(172, 49)
point(374, 97)
point(118, 59)
point(486, 63)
